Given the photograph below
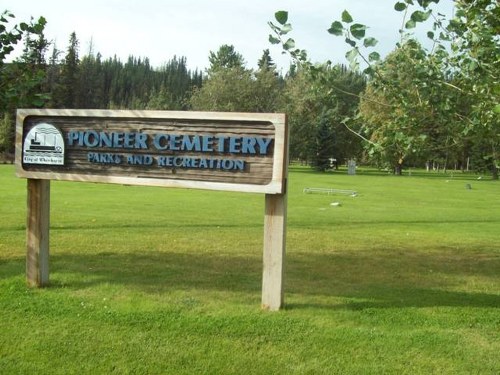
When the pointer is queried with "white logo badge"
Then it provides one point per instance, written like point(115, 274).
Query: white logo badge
point(44, 144)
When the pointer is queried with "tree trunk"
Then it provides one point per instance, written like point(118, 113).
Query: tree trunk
point(494, 175)
point(494, 162)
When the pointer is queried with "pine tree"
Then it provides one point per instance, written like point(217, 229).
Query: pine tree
point(323, 145)
point(225, 58)
point(266, 62)
point(65, 96)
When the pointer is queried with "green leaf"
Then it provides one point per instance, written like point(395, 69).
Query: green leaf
point(336, 29)
point(496, 109)
point(400, 6)
point(426, 3)
point(352, 55)
point(358, 31)
point(289, 44)
point(286, 29)
point(370, 42)
point(430, 35)
point(346, 17)
point(281, 16)
point(374, 56)
point(351, 42)
point(419, 16)
point(410, 24)
point(275, 28)
point(369, 71)
point(273, 40)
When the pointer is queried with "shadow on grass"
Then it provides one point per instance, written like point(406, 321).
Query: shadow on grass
point(376, 280)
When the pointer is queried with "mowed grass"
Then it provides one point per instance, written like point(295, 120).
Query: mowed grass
point(403, 278)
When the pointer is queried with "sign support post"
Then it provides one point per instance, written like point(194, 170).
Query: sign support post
point(37, 232)
point(274, 251)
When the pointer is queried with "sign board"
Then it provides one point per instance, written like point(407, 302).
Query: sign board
point(204, 150)
point(245, 152)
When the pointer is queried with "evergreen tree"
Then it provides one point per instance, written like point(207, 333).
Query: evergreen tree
point(66, 93)
point(323, 144)
point(266, 62)
point(90, 83)
point(225, 58)
point(53, 76)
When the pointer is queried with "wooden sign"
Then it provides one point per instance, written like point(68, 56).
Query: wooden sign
point(246, 152)
point(218, 151)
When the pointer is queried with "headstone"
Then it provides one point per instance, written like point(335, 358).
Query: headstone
point(351, 167)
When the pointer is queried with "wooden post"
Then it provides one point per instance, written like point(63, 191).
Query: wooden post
point(37, 233)
point(274, 251)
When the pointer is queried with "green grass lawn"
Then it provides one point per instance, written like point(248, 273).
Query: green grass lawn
point(403, 278)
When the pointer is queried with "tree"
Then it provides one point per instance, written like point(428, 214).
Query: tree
point(89, 89)
point(464, 82)
point(225, 58)
point(404, 113)
point(471, 68)
point(267, 88)
point(161, 99)
point(229, 90)
point(318, 95)
point(19, 81)
point(476, 56)
point(323, 145)
point(266, 62)
point(233, 88)
point(15, 78)
point(65, 95)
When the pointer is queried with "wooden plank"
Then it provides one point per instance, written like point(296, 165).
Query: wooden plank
point(37, 233)
point(274, 251)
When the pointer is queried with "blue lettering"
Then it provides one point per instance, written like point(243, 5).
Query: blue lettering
point(263, 145)
point(222, 143)
point(189, 144)
point(91, 138)
point(73, 136)
point(207, 144)
point(203, 163)
point(248, 145)
point(128, 140)
point(91, 156)
point(140, 140)
point(177, 162)
point(165, 161)
point(234, 145)
point(174, 142)
point(105, 138)
point(103, 158)
point(160, 141)
point(239, 165)
point(118, 140)
point(227, 164)
point(140, 159)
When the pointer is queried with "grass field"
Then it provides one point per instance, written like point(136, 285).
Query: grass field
point(404, 278)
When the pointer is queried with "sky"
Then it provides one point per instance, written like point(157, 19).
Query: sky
point(160, 29)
